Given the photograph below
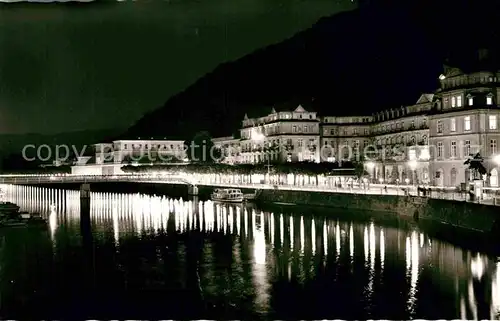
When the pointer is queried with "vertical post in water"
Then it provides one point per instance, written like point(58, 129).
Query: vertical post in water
point(192, 190)
point(87, 272)
point(85, 201)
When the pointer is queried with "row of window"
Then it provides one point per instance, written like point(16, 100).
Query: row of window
point(149, 146)
point(399, 126)
point(347, 120)
point(466, 149)
point(467, 80)
point(306, 129)
point(456, 101)
point(267, 119)
point(492, 124)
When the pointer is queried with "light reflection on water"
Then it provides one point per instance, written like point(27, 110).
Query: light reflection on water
point(283, 263)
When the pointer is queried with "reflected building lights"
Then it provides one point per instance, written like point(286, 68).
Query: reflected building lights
point(116, 231)
point(351, 243)
point(238, 220)
point(477, 266)
point(259, 268)
point(365, 243)
point(372, 248)
point(282, 230)
point(271, 227)
point(302, 236)
point(337, 240)
point(53, 224)
point(463, 309)
point(412, 265)
point(382, 250)
point(495, 293)
point(325, 238)
point(134, 213)
point(472, 300)
point(313, 237)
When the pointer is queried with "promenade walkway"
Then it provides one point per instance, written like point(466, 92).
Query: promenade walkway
point(217, 181)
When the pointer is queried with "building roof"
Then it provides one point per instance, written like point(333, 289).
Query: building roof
point(452, 71)
point(425, 98)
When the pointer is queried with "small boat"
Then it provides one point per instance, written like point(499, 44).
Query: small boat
point(231, 195)
point(13, 224)
point(25, 215)
point(8, 207)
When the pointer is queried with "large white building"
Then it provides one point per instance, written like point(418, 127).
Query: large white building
point(109, 158)
point(282, 135)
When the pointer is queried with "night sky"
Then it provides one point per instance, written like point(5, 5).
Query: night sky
point(96, 66)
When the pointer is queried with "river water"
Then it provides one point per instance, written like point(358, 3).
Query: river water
point(159, 257)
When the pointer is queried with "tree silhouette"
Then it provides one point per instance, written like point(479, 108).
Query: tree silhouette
point(476, 166)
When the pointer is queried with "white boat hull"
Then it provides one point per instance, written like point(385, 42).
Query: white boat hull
point(235, 200)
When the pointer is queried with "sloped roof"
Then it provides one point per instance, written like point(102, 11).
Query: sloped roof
point(425, 98)
point(452, 71)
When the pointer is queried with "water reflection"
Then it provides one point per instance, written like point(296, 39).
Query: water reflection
point(246, 260)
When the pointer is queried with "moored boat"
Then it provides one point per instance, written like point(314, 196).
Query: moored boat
point(231, 195)
point(8, 207)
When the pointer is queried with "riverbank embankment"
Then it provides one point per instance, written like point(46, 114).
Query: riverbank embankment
point(465, 215)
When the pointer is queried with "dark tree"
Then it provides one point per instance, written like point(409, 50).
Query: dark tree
point(201, 149)
point(475, 164)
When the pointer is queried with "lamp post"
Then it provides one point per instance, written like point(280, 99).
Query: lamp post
point(370, 166)
point(413, 167)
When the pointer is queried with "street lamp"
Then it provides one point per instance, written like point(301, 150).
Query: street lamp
point(413, 167)
point(496, 159)
point(370, 166)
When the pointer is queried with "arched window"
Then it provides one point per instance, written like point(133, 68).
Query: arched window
point(494, 178)
point(453, 177)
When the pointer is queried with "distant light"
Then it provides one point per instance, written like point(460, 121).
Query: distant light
point(442, 77)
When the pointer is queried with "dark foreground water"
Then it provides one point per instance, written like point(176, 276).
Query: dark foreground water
point(156, 257)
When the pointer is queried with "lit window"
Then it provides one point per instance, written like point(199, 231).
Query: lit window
point(493, 145)
point(453, 102)
point(453, 125)
point(467, 148)
point(440, 149)
point(467, 123)
point(439, 126)
point(489, 100)
point(453, 149)
point(412, 154)
point(471, 101)
point(493, 121)
point(459, 101)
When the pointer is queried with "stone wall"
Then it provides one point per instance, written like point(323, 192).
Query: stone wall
point(466, 215)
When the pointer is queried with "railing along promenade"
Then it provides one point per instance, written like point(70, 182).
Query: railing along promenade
point(489, 194)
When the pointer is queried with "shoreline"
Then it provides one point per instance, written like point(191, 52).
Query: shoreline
point(452, 219)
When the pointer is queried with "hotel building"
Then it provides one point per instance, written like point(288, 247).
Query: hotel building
point(109, 158)
point(284, 135)
point(425, 143)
